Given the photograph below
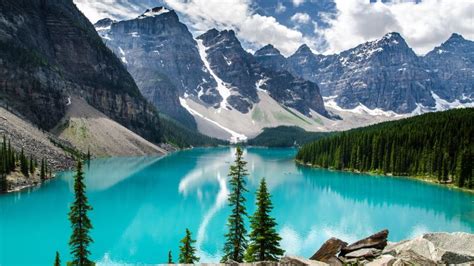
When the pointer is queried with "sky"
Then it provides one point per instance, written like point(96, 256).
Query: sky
point(326, 26)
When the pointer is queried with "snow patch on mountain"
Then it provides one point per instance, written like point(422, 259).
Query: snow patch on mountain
point(122, 56)
point(330, 101)
point(222, 88)
point(442, 104)
point(236, 137)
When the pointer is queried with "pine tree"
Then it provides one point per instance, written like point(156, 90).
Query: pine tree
point(42, 170)
point(187, 251)
point(170, 258)
point(32, 165)
point(264, 240)
point(80, 223)
point(57, 260)
point(24, 164)
point(236, 242)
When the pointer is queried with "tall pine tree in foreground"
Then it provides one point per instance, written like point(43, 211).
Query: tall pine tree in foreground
point(187, 251)
point(170, 258)
point(80, 223)
point(264, 240)
point(57, 260)
point(236, 243)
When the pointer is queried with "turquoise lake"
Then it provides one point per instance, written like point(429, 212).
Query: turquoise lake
point(143, 205)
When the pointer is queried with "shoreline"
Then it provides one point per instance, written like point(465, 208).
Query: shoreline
point(63, 167)
point(422, 179)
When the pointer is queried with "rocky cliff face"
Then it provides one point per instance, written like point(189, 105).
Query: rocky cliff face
point(168, 64)
point(384, 74)
point(242, 74)
point(162, 56)
point(453, 64)
point(50, 51)
point(271, 58)
point(232, 66)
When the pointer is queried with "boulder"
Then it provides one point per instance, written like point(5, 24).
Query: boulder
point(329, 250)
point(364, 253)
point(444, 248)
point(450, 257)
point(418, 245)
point(378, 241)
point(408, 257)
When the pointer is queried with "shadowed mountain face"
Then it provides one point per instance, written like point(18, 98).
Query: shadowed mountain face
point(453, 64)
point(168, 63)
point(49, 51)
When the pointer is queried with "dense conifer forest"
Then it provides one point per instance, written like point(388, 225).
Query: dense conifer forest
point(12, 160)
point(285, 136)
point(435, 145)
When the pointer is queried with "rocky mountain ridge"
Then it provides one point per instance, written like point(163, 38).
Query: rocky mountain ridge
point(170, 66)
point(387, 75)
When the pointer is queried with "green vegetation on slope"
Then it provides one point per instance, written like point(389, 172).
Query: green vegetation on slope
point(435, 145)
point(285, 136)
point(12, 161)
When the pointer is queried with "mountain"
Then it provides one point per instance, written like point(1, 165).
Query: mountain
point(453, 64)
point(383, 74)
point(175, 71)
point(271, 58)
point(52, 58)
point(53, 53)
point(162, 56)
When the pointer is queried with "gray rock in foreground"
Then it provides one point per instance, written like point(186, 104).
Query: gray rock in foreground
point(428, 249)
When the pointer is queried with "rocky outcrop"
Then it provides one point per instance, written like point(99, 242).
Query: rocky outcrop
point(329, 250)
point(375, 241)
point(271, 58)
point(428, 249)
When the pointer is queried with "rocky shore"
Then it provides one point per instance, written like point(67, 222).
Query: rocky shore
point(428, 249)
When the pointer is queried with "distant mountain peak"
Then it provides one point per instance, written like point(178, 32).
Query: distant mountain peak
point(156, 11)
point(392, 38)
point(267, 50)
point(304, 49)
point(456, 36)
point(104, 23)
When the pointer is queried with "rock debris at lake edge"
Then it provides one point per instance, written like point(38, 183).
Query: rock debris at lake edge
point(439, 248)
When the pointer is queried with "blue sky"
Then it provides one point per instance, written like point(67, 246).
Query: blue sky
point(327, 26)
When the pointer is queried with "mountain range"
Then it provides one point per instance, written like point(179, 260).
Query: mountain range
point(211, 83)
point(148, 82)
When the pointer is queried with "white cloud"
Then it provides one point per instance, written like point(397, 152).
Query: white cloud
point(280, 8)
point(297, 2)
point(423, 25)
point(115, 9)
point(238, 15)
point(302, 18)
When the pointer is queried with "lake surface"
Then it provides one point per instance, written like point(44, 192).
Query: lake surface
point(142, 207)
